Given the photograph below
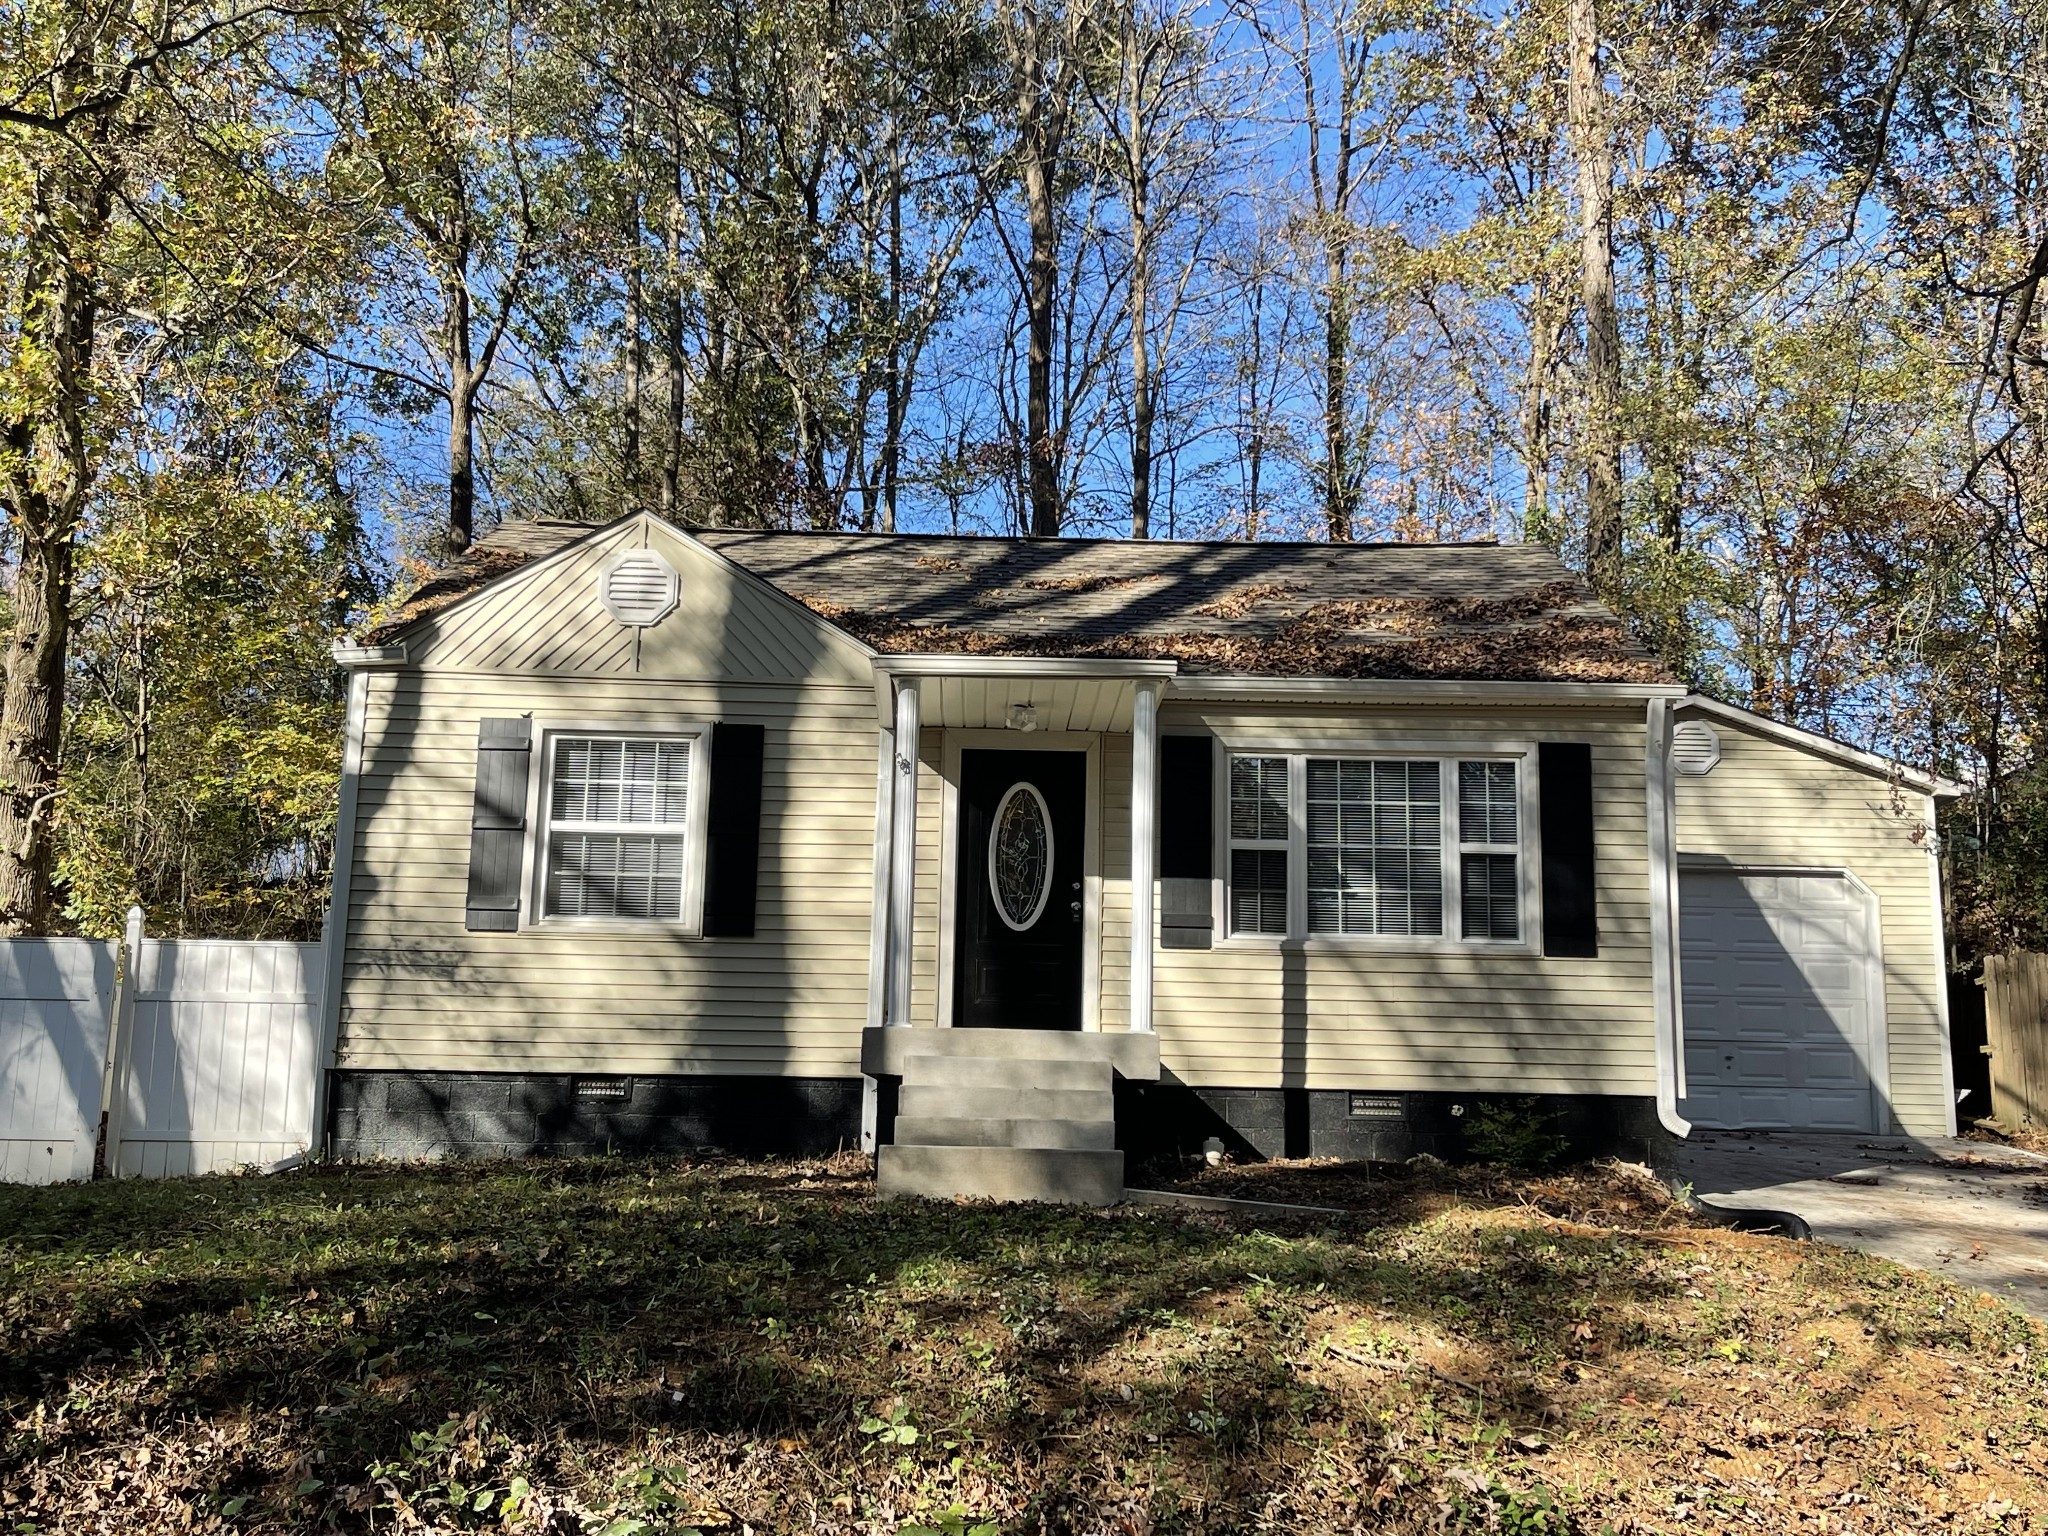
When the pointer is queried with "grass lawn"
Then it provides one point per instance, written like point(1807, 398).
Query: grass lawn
point(627, 1347)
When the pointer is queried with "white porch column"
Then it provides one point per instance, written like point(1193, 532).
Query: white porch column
point(903, 851)
point(1144, 845)
point(878, 928)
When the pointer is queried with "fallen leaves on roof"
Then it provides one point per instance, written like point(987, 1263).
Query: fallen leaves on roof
point(1518, 639)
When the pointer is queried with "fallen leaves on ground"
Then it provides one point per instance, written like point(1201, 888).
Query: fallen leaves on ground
point(620, 1347)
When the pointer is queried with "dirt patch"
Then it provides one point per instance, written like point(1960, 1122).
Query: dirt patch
point(1620, 1195)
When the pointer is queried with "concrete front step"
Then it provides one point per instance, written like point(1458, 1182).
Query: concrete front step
point(1005, 1072)
point(943, 1099)
point(958, 1131)
point(1001, 1173)
point(884, 1051)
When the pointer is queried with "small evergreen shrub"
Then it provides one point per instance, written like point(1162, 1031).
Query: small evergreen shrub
point(1518, 1132)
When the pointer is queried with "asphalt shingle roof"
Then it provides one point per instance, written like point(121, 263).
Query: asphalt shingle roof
point(1489, 611)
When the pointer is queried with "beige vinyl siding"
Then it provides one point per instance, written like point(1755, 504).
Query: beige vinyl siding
point(548, 620)
point(1771, 804)
point(421, 992)
point(1255, 1014)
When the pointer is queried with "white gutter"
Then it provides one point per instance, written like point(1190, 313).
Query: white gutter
point(1664, 977)
point(1382, 690)
point(969, 664)
point(351, 657)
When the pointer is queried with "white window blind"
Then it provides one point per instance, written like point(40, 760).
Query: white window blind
point(616, 845)
point(1489, 873)
point(1375, 847)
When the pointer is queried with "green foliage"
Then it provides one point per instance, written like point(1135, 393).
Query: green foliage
point(1516, 1133)
point(1487, 1504)
point(953, 1522)
point(202, 744)
point(891, 1425)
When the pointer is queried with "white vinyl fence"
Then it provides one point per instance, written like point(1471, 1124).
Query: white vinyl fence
point(214, 1055)
point(55, 998)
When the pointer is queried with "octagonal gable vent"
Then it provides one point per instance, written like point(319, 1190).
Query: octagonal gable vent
point(639, 587)
point(1695, 748)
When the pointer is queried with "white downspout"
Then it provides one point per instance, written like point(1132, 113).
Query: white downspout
point(334, 935)
point(1937, 918)
point(903, 852)
point(1664, 978)
point(1144, 845)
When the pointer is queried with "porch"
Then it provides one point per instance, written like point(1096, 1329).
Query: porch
point(1011, 970)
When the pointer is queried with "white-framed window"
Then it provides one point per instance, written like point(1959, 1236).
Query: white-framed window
point(621, 829)
point(1258, 845)
point(1395, 848)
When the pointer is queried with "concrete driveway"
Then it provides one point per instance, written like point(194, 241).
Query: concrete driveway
point(1975, 1212)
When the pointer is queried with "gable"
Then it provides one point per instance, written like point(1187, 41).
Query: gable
point(550, 617)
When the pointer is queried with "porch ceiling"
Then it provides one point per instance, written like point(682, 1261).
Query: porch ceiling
point(968, 695)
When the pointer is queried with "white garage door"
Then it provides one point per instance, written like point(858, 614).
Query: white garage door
point(1780, 1023)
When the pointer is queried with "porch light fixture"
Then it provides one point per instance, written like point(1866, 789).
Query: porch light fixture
point(1023, 717)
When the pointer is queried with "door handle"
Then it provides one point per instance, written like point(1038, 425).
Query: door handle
point(1075, 908)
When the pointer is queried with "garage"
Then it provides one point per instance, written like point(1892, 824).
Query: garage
point(1783, 1015)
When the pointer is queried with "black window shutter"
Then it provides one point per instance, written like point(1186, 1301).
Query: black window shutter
point(733, 856)
point(1186, 841)
point(497, 824)
point(1565, 787)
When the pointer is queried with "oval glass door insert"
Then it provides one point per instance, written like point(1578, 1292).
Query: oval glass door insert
point(1020, 856)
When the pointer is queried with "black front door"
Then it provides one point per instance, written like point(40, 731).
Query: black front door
point(1017, 952)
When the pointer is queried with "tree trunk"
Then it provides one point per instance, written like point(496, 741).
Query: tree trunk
point(462, 385)
point(892, 388)
point(1038, 140)
point(636, 350)
point(43, 484)
point(1142, 404)
point(1337, 499)
point(1594, 151)
point(1534, 424)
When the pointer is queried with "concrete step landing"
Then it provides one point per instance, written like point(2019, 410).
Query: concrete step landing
point(1004, 1115)
point(1002, 1173)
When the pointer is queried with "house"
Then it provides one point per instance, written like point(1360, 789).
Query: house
point(1001, 855)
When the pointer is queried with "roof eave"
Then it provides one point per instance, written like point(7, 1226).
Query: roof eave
point(1394, 690)
point(1826, 746)
point(350, 656)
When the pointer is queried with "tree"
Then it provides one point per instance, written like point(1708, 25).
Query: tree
point(440, 109)
point(140, 199)
point(1593, 149)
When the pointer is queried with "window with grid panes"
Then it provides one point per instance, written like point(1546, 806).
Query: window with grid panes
point(1489, 858)
point(1375, 847)
point(616, 811)
point(1385, 856)
point(1258, 845)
